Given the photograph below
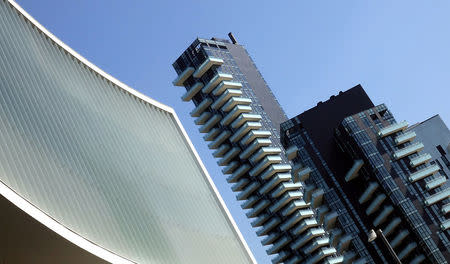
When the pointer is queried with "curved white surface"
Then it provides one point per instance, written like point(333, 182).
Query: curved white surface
point(56, 173)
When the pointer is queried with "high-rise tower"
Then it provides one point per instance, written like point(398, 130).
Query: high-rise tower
point(240, 118)
point(376, 175)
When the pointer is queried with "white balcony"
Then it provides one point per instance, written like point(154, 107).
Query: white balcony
point(316, 198)
point(344, 243)
point(280, 177)
point(418, 259)
point(442, 195)
point(202, 118)
point(260, 220)
point(352, 256)
point(237, 110)
point(399, 238)
point(293, 260)
point(375, 204)
point(270, 238)
point(392, 129)
point(294, 206)
point(320, 213)
point(229, 156)
point(221, 151)
point(445, 208)
point(323, 253)
point(391, 226)
point(216, 80)
point(308, 190)
point(315, 244)
point(264, 163)
point(211, 135)
point(224, 97)
point(295, 218)
point(284, 187)
point(247, 191)
point(401, 153)
point(210, 123)
point(430, 170)
point(255, 134)
point(291, 152)
point(258, 208)
point(334, 260)
point(192, 92)
point(262, 152)
point(302, 175)
point(304, 225)
point(206, 65)
point(245, 128)
point(226, 85)
point(286, 198)
point(183, 76)
point(244, 117)
point(239, 185)
point(335, 236)
point(219, 139)
point(278, 245)
point(275, 168)
point(250, 202)
point(353, 172)
point(233, 101)
point(421, 159)
point(445, 224)
point(258, 143)
point(381, 218)
point(280, 257)
point(330, 220)
point(408, 136)
point(238, 173)
point(438, 181)
point(407, 250)
point(296, 168)
point(272, 223)
point(310, 234)
point(199, 109)
point(368, 192)
point(231, 167)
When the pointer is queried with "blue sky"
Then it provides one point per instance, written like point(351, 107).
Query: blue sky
point(306, 50)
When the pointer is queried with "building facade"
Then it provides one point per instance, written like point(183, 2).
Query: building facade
point(382, 179)
point(87, 165)
point(435, 136)
point(240, 118)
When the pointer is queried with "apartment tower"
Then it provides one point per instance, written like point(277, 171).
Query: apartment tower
point(240, 118)
point(375, 173)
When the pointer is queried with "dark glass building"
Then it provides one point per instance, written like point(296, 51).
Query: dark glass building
point(373, 176)
point(240, 117)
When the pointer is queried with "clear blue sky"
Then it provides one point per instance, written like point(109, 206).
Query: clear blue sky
point(306, 50)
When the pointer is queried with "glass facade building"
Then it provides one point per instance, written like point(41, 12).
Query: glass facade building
point(94, 160)
point(383, 177)
point(240, 117)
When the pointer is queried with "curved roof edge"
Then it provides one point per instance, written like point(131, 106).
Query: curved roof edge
point(58, 228)
point(88, 63)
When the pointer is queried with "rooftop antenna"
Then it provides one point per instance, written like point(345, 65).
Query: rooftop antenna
point(230, 35)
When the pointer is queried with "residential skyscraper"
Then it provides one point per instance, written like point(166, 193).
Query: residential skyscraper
point(373, 176)
point(240, 118)
point(435, 136)
point(92, 171)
